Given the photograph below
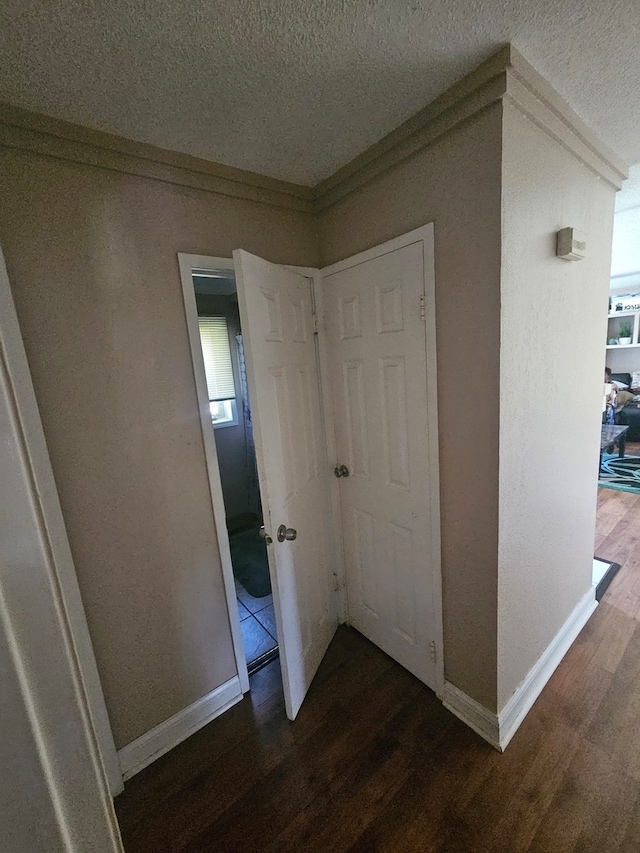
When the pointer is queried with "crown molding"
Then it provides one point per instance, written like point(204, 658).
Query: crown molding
point(506, 78)
point(478, 90)
point(529, 92)
point(62, 140)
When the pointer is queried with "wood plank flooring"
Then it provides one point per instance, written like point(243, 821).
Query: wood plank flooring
point(375, 763)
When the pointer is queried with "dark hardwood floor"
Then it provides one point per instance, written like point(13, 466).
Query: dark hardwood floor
point(375, 763)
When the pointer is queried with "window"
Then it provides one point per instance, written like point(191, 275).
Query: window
point(218, 368)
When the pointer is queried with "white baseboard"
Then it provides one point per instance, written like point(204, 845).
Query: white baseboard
point(498, 729)
point(475, 715)
point(528, 691)
point(138, 754)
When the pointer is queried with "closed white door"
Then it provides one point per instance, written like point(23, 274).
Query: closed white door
point(380, 327)
point(282, 371)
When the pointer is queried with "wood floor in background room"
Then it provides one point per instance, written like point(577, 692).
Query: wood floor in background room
point(375, 763)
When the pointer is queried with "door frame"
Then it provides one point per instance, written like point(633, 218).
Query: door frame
point(188, 263)
point(48, 638)
point(62, 565)
point(425, 235)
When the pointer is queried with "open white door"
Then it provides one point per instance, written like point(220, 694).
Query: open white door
point(276, 312)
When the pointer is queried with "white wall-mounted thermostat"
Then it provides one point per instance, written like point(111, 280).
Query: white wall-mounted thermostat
point(571, 244)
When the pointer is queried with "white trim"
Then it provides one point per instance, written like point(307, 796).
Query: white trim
point(187, 263)
point(40, 463)
point(428, 247)
point(425, 235)
point(528, 691)
point(498, 729)
point(138, 754)
point(472, 713)
point(41, 615)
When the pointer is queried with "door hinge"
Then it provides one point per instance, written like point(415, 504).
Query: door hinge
point(336, 583)
point(433, 653)
point(316, 324)
point(423, 307)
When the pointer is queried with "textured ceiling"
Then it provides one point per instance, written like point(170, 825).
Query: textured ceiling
point(296, 88)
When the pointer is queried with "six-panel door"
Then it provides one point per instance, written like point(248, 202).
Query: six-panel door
point(377, 346)
point(282, 372)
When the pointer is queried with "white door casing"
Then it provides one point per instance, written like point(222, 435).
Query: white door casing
point(56, 531)
point(55, 699)
point(381, 340)
point(188, 265)
point(276, 313)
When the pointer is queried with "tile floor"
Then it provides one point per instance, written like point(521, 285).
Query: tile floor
point(257, 622)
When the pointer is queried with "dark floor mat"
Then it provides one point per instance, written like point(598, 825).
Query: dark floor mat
point(249, 559)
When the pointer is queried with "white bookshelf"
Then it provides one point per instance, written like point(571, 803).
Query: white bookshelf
point(613, 329)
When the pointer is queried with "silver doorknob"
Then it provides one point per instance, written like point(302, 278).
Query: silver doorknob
point(341, 471)
point(288, 533)
point(266, 538)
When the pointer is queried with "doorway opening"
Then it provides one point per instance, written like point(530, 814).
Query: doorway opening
point(232, 426)
point(619, 447)
point(345, 456)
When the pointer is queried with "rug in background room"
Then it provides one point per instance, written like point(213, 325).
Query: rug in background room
point(249, 560)
point(622, 474)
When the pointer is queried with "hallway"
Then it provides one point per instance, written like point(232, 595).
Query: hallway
point(375, 763)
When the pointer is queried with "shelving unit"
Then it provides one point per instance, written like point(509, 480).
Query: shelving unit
point(613, 327)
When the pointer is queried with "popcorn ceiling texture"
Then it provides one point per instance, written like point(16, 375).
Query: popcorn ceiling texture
point(296, 88)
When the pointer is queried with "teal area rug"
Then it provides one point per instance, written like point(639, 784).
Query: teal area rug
point(622, 474)
point(250, 565)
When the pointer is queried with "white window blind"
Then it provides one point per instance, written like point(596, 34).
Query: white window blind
point(214, 336)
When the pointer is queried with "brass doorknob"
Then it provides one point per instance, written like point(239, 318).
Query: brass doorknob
point(288, 533)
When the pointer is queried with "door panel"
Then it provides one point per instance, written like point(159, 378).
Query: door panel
point(282, 372)
point(376, 338)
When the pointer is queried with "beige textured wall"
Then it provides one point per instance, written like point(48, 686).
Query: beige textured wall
point(554, 320)
point(455, 183)
point(91, 256)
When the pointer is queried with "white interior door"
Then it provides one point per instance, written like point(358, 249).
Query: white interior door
point(381, 340)
point(282, 371)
